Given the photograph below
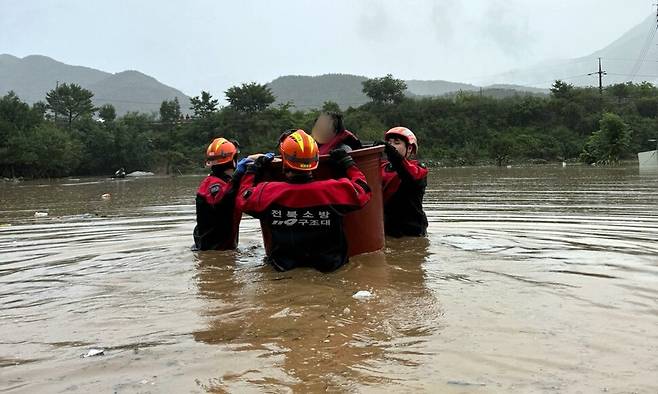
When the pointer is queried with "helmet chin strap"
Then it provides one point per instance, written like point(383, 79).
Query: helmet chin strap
point(410, 151)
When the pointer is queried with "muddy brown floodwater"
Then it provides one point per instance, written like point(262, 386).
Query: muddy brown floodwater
point(533, 280)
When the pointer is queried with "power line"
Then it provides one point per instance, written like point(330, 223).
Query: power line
point(294, 104)
point(561, 64)
point(617, 59)
point(124, 101)
point(645, 48)
point(636, 75)
point(539, 84)
point(643, 54)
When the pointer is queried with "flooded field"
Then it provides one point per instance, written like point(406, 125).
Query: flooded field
point(532, 280)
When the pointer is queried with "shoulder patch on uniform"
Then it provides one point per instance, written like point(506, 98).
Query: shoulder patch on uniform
point(214, 189)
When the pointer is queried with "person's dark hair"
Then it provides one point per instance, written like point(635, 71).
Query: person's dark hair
point(285, 134)
point(337, 119)
point(401, 138)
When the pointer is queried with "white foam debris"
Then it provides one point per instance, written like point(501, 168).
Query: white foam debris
point(362, 295)
point(285, 312)
point(94, 352)
point(140, 173)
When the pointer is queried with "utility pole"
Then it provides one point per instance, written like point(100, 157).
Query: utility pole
point(57, 95)
point(601, 73)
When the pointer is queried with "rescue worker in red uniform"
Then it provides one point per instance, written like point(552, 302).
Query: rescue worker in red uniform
point(305, 216)
point(217, 219)
point(403, 185)
point(330, 133)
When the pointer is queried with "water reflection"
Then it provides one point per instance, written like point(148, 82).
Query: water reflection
point(308, 326)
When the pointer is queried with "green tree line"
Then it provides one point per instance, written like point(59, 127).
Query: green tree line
point(66, 135)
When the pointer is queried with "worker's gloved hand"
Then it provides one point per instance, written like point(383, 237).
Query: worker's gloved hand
point(261, 162)
point(389, 149)
point(265, 159)
point(392, 153)
point(341, 158)
point(241, 168)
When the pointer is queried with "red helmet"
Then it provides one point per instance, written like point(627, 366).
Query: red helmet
point(299, 151)
point(405, 134)
point(220, 151)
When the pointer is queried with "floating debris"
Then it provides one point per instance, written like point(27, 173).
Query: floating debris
point(362, 295)
point(40, 214)
point(464, 383)
point(285, 312)
point(106, 196)
point(140, 173)
point(94, 352)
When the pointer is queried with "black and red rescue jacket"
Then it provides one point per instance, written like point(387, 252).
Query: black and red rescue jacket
point(306, 219)
point(403, 187)
point(217, 219)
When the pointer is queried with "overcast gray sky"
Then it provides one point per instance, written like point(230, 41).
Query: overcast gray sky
point(211, 45)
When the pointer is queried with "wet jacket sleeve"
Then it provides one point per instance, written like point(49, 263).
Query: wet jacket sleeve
point(249, 195)
point(345, 194)
point(409, 171)
point(360, 194)
point(234, 186)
